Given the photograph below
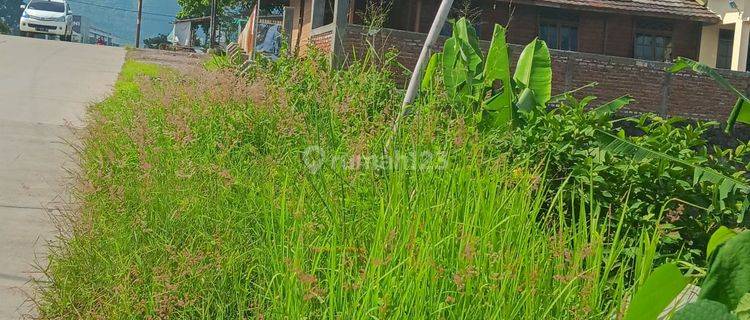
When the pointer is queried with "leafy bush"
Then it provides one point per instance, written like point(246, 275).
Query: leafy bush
point(665, 173)
point(724, 293)
point(567, 140)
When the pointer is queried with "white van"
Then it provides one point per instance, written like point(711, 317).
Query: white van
point(47, 17)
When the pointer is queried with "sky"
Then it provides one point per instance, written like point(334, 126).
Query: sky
point(116, 16)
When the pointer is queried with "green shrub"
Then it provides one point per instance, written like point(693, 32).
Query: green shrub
point(667, 166)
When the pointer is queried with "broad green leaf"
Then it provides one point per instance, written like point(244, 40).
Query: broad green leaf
point(718, 238)
point(744, 115)
point(659, 290)
point(704, 310)
point(468, 42)
point(526, 101)
point(462, 64)
point(613, 106)
point(741, 110)
point(464, 31)
point(454, 70)
point(430, 72)
point(495, 120)
point(497, 68)
point(534, 70)
point(743, 308)
point(728, 278)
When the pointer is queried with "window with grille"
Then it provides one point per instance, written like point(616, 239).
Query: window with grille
point(653, 41)
point(559, 30)
point(724, 56)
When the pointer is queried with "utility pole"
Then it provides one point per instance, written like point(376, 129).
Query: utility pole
point(213, 24)
point(424, 56)
point(138, 25)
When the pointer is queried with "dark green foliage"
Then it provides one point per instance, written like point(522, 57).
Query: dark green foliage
point(642, 172)
point(10, 14)
point(728, 278)
point(157, 41)
point(667, 160)
point(4, 29)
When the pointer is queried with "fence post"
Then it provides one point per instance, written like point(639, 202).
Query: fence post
point(288, 25)
point(340, 23)
point(666, 87)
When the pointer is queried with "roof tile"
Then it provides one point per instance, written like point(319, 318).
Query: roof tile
point(676, 9)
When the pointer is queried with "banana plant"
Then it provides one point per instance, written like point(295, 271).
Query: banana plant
point(485, 84)
point(741, 110)
point(486, 87)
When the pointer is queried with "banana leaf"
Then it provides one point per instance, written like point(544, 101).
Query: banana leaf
point(497, 68)
point(534, 70)
point(741, 110)
point(428, 82)
point(725, 184)
point(613, 106)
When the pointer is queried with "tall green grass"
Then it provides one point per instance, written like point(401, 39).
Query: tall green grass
point(195, 202)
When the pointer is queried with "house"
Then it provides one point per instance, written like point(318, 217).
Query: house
point(624, 46)
point(656, 30)
point(724, 45)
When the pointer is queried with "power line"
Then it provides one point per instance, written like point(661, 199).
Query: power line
point(122, 9)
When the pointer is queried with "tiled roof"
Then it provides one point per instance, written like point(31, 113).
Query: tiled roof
point(676, 9)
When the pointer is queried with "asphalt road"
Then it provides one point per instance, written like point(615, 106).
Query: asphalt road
point(45, 88)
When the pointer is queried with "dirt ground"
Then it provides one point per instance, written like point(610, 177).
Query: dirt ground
point(177, 60)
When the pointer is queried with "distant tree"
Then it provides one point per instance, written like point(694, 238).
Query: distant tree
point(4, 29)
point(202, 8)
point(10, 13)
point(227, 11)
point(157, 41)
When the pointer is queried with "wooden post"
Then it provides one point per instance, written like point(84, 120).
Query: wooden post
point(352, 11)
point(255, 30)
point(138, 24)
point(288, 23)
point(418, 17)
point(340, 21)
point(212, 32)
point(300, 26)
point(424, 56)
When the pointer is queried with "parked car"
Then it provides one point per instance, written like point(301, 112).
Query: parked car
point(52, 17)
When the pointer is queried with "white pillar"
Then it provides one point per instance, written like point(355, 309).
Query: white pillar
point(709, 45)
point(739, 46)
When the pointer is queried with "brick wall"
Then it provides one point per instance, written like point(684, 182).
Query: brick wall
point(322, 39)
point(655, 90)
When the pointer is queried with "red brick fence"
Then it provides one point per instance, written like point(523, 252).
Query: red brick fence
point(685, 94)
